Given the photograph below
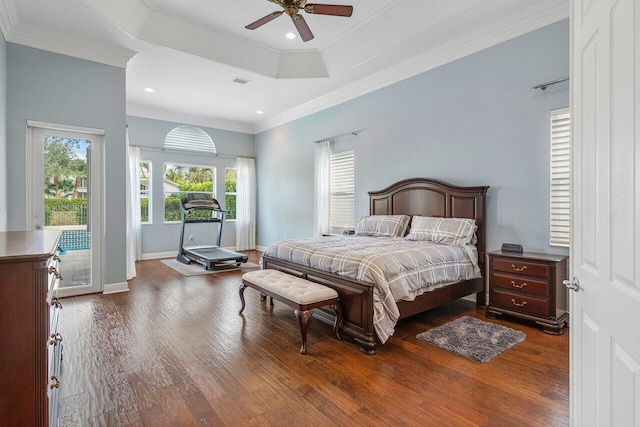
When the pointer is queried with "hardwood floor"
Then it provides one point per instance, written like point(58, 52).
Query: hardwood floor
point(174, 351)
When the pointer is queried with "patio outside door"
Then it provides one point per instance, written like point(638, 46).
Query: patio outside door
point(66, 194)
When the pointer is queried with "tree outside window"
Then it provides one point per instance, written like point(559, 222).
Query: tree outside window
point(230, 193)
point(144, 172)
point(180, 179)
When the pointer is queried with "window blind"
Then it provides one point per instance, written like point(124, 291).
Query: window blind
point(341, 203)
point(560, 177)
point(189, 138)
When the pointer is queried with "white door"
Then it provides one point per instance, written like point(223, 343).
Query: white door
point(605, 250)
point(65, 193)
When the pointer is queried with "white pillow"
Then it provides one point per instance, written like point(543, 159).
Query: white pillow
point(448, 231)
point(383, 225)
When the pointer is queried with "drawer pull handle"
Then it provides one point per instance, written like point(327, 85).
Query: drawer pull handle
point(523, 268)
point(55, 384)
point(56, 303)
point(522, 304)
point(55, 339)
point(56, 257)
point(53, 270)
point(519, 286)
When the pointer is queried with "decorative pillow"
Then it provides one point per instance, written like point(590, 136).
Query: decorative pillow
point(383, 225)
point(448, 231)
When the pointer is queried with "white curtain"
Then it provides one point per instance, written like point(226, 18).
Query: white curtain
point(245, 204)
point(134, 231)
point(322, 190)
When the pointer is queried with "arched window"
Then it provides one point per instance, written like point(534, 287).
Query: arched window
point(189, 138)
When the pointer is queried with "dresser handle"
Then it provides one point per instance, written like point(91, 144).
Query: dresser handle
point(53, 270)
point(520, 286)
point(56, 303)
point(523, 268)
point(522, 304)
point(55, 339)
point(56, 384)
point(56, 257)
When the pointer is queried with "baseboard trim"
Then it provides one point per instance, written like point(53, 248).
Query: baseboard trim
point(160, 255)
point(114, 288)
point(261, 248)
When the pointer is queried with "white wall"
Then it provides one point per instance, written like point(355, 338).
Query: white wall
point(475, 121)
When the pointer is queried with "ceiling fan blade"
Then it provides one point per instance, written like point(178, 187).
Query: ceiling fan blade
point(329, 9)
point(260, 22)
point(303, 28)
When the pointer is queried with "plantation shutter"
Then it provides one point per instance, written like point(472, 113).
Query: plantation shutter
point(342, 190)
point(560, 177)
point(189, 138)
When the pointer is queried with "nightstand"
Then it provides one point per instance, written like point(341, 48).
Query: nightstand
point(529, 285)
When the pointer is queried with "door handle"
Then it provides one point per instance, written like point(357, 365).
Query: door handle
point(38, 227)
point(573, 284)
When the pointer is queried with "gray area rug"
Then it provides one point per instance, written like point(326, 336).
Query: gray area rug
point(195, 269)
point(473, 338)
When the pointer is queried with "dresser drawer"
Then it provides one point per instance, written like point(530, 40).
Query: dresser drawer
point(520, 303)
point(523, 267)
point(521, 284)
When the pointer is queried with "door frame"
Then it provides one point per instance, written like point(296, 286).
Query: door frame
point(97, 197)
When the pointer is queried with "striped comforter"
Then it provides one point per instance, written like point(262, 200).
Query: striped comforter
point(398, 268)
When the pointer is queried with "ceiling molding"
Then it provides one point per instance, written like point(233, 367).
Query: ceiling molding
point(39, 38)
point(8, 16)
point(498, 32)
point(147, 112)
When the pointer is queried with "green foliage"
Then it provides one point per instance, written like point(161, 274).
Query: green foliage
point(204, 187)
point(144, 210)
point(63, 169)
point(65, 211)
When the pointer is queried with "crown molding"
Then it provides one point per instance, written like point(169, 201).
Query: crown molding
point(8, 16)
point(525, 22)
point(147, 112)
point(52, 41)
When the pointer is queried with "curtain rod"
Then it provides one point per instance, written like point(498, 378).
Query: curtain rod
point(543, 86)
point(222, 156)
point(354, 133)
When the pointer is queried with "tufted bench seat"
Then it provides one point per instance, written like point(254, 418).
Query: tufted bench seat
point(296, 292)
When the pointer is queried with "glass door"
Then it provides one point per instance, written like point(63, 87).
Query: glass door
point(66, 195)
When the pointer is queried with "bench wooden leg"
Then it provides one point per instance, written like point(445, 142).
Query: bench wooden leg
point(338, 310)
point(242, 288)
point(303, 319)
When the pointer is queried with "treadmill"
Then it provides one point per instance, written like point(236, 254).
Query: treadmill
point(208, 256)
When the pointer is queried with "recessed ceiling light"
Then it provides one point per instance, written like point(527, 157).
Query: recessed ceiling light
point(290, 35)
point(148, 89)
point(259, 112)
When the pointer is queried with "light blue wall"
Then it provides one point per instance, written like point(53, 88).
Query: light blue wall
point(3, 134)
point(159, 237)
point(475, 121)
point(54, 88)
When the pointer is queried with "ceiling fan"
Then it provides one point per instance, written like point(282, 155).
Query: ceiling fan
point(291, 8)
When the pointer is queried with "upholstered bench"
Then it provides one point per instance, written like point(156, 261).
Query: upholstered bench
point(296, 292)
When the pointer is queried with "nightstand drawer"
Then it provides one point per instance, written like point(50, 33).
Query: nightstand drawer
point(521, 304)
point(521, 284)
point(526, 268)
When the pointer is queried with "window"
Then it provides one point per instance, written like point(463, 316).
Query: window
point(144, 172)
point(189, 138)
point(230, 193)
point(560, 177)
point(181, 179)
point(341, 183)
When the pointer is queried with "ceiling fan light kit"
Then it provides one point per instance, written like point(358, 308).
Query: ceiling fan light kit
point(292, 8)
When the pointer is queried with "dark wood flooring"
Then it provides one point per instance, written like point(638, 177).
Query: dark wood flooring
point(174, 351)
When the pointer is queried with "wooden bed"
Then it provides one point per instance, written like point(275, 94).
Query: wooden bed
point(416, 196)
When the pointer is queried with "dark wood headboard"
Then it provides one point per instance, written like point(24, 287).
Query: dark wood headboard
point(428, 197)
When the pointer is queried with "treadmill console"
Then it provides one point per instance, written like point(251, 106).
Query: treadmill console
point(200, 201)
